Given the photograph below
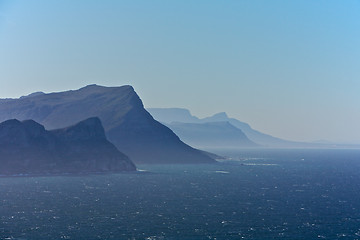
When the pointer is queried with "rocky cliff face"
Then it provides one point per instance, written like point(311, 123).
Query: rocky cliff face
point(127, 124)
point(27, 148)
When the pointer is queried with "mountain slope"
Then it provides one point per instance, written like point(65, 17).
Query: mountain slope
point(211, 135)
point(127, 124)
point(169, 115)
point(26, 147)
point(256, 136)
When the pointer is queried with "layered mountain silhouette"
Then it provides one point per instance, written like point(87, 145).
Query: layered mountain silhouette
point(170, 116)
point(127, 124)
point(211, 135)
point(27, 148)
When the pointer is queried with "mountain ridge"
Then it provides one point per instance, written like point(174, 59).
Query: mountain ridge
point(262, 139)
point(127, 124)
point(212, 135)
point(26, 147)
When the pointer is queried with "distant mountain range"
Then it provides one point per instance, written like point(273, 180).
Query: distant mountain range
point(127, 124)
point(27, 148)
point(191, 129)
point(211, 135)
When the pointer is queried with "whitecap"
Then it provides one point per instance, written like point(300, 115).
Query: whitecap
point(261, 164)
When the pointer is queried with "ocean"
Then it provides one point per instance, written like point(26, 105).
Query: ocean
point(254, 194)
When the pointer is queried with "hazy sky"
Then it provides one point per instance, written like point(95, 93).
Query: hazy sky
point(288, 68)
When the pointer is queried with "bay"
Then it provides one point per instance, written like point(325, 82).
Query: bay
point(253, 194)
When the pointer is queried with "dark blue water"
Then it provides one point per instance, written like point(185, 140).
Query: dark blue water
point(262, 194)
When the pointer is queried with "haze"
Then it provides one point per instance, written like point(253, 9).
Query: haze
point(288, 68)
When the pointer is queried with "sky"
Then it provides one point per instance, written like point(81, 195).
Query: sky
point(288, 68)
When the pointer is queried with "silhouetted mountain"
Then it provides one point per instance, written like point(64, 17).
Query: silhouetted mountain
point(211, 135)
point(254, 135)
point(169, 115)
point(127, 124)
point(33, 94)
point(26, 147)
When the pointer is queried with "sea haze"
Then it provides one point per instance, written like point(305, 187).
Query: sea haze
point(254, 194)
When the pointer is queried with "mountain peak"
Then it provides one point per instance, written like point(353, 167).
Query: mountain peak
point(169, 115)
point(221, 116)
point(10, 122)
point(26, 147)
point(34, 94)
point(33, 128)
point(127, 124)
point(89, 129)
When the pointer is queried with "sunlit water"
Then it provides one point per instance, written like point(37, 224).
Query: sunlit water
point(262, 194)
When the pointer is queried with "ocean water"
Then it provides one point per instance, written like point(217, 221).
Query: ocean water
point(256, 194)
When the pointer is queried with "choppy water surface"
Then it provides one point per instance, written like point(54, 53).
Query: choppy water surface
point(262, 194)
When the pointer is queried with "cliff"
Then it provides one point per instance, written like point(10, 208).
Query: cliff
point(127, 124)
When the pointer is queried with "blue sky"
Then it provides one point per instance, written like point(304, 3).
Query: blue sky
point(288, 68)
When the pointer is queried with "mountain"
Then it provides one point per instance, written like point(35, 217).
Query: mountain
point(211, 135)
point(127, 124)
point(169, 115)
point(26, 147)
point(254, 135)
point(33, 94)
